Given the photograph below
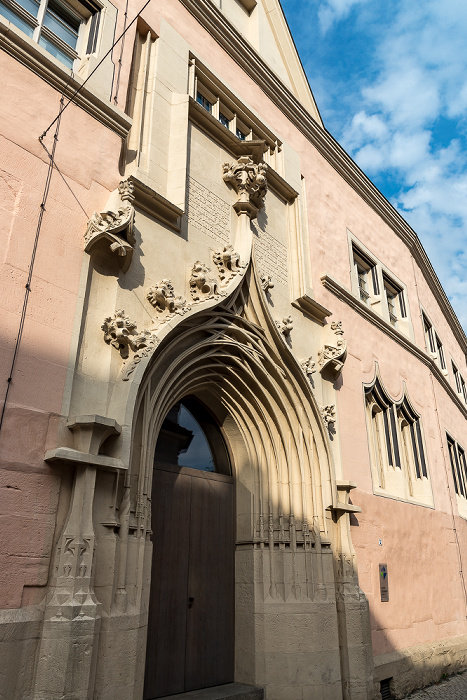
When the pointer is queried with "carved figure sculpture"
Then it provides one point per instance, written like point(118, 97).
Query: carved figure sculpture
point(115, 226)
point(202, 286)
point(285, 326)
point(334, 352)
point(228, 263)
point(162, 297)
point(266, 282)
point(249, 181)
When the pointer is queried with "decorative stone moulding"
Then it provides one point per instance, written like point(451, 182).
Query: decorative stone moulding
point(308, 366)
point(250, 182)
point(115, 226)
point(285, 326)
point(333, 355)
point(266, 282)
point(202, 286)
point(227, 261)
point(162, 297)
point(122, 334)
point(328, 414)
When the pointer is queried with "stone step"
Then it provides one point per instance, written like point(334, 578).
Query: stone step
point(236, 691)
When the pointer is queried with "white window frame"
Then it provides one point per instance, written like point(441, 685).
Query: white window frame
point(39, 30)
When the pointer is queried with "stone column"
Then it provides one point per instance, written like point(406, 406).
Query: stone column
point(68, 646)
point(352, 607)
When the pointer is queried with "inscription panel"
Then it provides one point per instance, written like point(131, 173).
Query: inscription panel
point(271, 255)
point(207, 212)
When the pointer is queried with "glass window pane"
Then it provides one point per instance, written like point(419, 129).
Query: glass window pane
point(17, 21)
point(58, 27)
point(30, 5)
point(55, 51)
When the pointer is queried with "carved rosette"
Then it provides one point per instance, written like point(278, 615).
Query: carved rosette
point(308, 366)
point(250, 182)
point(228, 265)
point(115, 227)
point(266, 282)
point(122, 333)
point(202, 285)
point(162, 297)
point(285, 326)
point(333, 354)
point(328, 414)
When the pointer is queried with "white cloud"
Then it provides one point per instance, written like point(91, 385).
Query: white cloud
point(334, 10)
point(419, 83)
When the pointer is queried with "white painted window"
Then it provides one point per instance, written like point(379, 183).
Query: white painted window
point(64, 29)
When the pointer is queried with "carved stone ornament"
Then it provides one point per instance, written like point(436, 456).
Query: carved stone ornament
point(249, 181)
point(115, 226)
point(266, 282)
point(334, 352)
point(202, 286)
point(227, 261)
point(162, 297)
point(285, 326)
point(308, 366)
point(122, 334)
point(328, 414)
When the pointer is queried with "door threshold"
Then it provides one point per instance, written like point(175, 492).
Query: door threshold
point(236, 691)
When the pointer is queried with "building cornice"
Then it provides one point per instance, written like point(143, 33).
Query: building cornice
point(31, 55)
point(248, 59)
point(344, 294)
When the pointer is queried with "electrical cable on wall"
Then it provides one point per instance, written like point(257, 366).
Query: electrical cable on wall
point(52, 165)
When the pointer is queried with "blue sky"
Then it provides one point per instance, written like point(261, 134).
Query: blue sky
point(390, 81)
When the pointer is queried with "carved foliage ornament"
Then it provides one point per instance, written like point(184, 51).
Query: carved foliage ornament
point(122, 333)
point(285, 326)
point(162, 297)
point(227, 261)
point(308, 366)
point(115, 226)
point(202, 285)
point(266, 282)
point(334, 352)
point(328, 414)
point(249, 181)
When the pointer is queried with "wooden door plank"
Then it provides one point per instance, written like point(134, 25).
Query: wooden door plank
point(209, 652)
point(165, 658)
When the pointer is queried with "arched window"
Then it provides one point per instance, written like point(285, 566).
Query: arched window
point(396, 444)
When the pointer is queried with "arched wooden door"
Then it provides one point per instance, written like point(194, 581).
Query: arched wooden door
point(190, 641)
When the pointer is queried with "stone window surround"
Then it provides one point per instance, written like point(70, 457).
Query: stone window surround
point(458, 382)
point(94, 98)
point(382, 280)
point(202, 80)
point(460, 499)
point(401, 487)
point(434, 347)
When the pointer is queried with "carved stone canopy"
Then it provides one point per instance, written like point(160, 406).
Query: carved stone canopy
point(332, 356)
point(249, 181)
point(115, 226)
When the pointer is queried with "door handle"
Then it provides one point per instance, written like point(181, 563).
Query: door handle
point(190, 603)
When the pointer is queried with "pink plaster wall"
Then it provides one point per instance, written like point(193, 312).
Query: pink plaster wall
point(87, 155)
